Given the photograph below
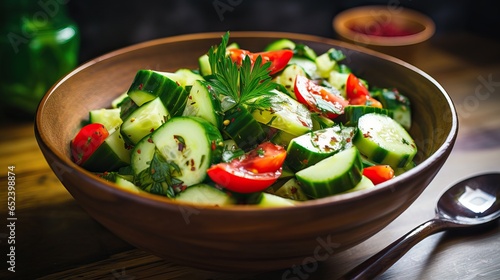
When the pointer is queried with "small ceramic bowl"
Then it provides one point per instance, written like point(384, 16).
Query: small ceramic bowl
point(389, 29)
point(239, 238)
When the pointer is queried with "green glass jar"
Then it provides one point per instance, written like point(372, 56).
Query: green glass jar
point(39, 44)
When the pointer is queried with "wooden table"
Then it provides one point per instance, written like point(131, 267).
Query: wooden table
point(56, 239)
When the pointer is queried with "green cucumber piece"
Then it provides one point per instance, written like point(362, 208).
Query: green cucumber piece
point(149, 84)
point(192, 144)
point(287, 78)
point(187, 77)
point(280, 44)
point(144, 120)
point(112, 154)
point(399, 171)
point(142, 154)
point(282, 138)
point(352, 113)
point(117, 102)
point(326, 63)
point(110, 118)
point(338, 81)
point(364, 184)
point(332, 175)
point(309, 66)
point(321, 122)
point(268, 200)
point(383, 140)
point(126, 184)
point(127, 106)
point(302, 50)
point(243, 128)
point(397, 103)
point(291, 190)
point(204, 194)
point(203, 103)
point(285, 114)
point(204, 65)
point(312, 147)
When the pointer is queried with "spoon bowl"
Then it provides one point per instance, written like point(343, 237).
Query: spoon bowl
point(468, 204)
point(472, 201)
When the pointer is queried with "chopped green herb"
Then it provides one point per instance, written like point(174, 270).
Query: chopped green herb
point(235, 84)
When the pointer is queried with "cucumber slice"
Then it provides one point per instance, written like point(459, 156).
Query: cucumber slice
point(127, 106)
point(243, 128)
point(282, 138)
point(285, 114)
point(204, 64)
point(187, 77)
point(144, 120)
point(311, 148)
point(338, 81)
point(291, 190)
point(203, 103)
point(287, 78)
point(321, 122)
point(352, 113)
point(399, 171)
point(126, 184)
point(142, 154)
point(270, 200)
point(149, 84)
point(112, 154)
point(204, 194)
point(280, 44)
point(117, 102)
point(364, 184)
point(383, 140)
point(333, 175)
point(308, 65)
point(302, 50)
point(397, 103)
point(110, 118)
point(325, 63)
point(192, 144)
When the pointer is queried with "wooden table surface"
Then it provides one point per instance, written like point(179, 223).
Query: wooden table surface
point(56, 239)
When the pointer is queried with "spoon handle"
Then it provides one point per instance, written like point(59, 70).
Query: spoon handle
point(384, 259)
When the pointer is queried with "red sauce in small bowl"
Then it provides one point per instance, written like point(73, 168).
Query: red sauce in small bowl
point(382, 29)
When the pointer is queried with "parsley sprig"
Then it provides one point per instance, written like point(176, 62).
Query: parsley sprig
point(157, 177)
point(248, 84)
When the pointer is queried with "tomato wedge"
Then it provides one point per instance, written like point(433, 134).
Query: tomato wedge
point(358, 94)
point(258, 170)
point(279, 58)
point(86, 141)
point(378, 173)
point(317, 98)
point(267, 157)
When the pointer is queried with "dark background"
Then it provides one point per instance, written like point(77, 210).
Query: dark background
point(112, 24)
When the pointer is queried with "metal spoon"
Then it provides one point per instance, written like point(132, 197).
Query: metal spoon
point(469, 203)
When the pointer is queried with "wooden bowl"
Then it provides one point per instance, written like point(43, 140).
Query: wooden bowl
point(397, 31)
point(239, 238)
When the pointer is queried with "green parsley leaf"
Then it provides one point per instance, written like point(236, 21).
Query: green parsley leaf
point(157, 178)
point(235, 84)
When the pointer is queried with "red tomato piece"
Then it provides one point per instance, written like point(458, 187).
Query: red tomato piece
point(86, 141)
point(279, 58)
point(267, 157)
point(317, 98)
point(378, 173)
point(239, 179)
point(356, 92)
point(258, 170)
